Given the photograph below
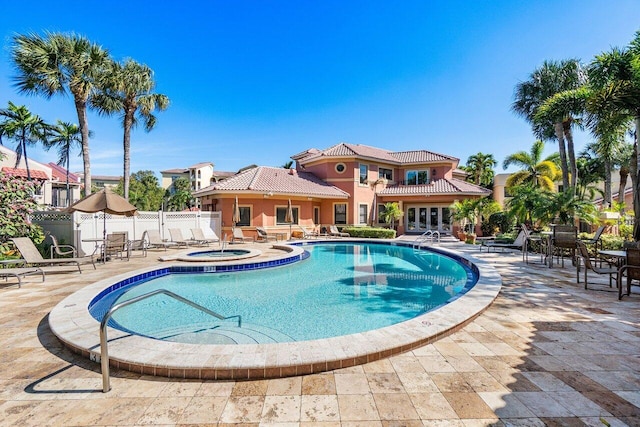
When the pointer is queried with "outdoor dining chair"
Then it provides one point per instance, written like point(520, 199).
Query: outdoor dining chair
point(590, 264)
point(631, 269)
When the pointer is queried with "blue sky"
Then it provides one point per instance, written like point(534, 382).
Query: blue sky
point(256, 82)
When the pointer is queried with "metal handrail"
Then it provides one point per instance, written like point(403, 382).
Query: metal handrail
point(104, 351)
point(427, 235)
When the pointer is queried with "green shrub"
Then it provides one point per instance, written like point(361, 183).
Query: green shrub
point(500, 220)
point(16, 203)
point(370, 232)
point(626, 231)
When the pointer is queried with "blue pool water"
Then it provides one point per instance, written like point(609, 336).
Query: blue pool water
point(342, 288)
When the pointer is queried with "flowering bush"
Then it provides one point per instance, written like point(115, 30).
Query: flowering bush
point(16, 203)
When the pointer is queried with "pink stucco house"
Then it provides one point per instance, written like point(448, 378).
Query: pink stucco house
point(345, 184)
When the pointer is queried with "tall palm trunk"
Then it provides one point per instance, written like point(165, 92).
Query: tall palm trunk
point(68, 190)
point(573, 168)
point(624, 174)
point(635, 159)
point(563, 154)
point(607, 182)
point(126, 142)
point(24, 154)
point(83, 123)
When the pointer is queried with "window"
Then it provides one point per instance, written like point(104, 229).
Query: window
point(417, 177)
point(340, 213)
point(316, 215)
point(385, 174)
point(363, 214)
point(364, 174)
point(281, 214)
point(340, 167)
point(381, 210)
point(245, 216)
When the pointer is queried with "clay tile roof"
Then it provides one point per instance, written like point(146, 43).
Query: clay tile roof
point(421, 156)
point(352, 150)
point(35, 174)
point(59, 173)
point(439, 187)
point(276, 180)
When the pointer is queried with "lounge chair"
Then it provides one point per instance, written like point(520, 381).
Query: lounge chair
point(32, 257)
point(20, 272)
point(200, 238)
point(155, 241)
point(590, 264)
point(61, 250)
point(517, 244)
point(333, 231)
point(176, 237)
point(238, 235)
point(263, 236)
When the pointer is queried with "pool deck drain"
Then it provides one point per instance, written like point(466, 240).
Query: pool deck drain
point(71, 322)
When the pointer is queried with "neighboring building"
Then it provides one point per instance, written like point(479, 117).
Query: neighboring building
point(102, 181)
point(200, 175)
point(346, 184)
point(51, 179)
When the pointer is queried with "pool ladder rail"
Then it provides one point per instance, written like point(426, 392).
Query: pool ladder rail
point(104, 350)
point(426, 237)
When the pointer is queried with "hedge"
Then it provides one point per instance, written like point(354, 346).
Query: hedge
point(370, 232)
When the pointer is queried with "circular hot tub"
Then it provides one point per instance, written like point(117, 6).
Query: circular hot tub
point(219, 255)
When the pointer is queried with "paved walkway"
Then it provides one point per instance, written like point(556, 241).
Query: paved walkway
point(547, 352)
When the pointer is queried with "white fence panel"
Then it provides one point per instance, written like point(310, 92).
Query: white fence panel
point(79, 226)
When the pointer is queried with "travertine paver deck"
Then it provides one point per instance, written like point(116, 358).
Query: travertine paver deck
point(547, 352)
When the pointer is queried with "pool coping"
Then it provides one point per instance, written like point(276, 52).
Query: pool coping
point(72, 323)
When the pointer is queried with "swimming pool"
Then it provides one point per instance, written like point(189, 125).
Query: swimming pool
point(71, 322)
point(343, 288)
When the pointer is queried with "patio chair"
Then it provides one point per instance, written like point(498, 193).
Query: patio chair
point(176, 237)
point(199, 236)
point(116, 245)
point(263, 236)
point(517, 244)
point(564, 239)
point(20, 272)
point(631, 269)
point(333, 231)
point(61, 250)
point(238, 235)
point(32, 256)
point(155, 240)
point(138, 245)
point(590, 264)
point(596, 240)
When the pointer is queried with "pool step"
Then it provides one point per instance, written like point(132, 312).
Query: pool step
point(224, 334)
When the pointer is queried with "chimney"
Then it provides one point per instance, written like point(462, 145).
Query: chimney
point(292, 171)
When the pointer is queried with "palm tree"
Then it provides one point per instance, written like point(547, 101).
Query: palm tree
point(59, 63)
point(66, 136)
point(623, 163)
point(536, 172)
point(480, 167)
point(551, 78)
point(127, 89)
point(23, 127)
point(615, 78)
